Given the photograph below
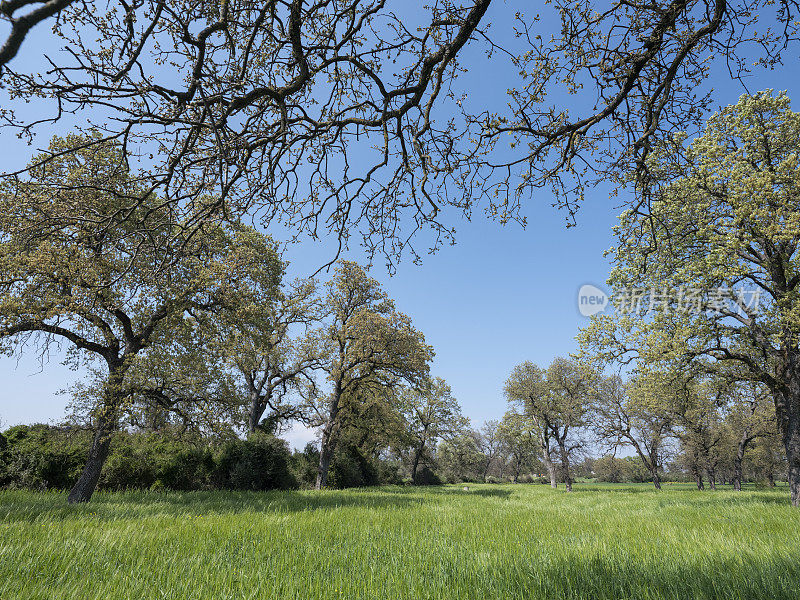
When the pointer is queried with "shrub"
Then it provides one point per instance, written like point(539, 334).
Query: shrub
point(426, 476)
point(349, 468)
point(42, 457)
point(127, 467)
point(304, 466)
point(259, 463)
point(389, 472)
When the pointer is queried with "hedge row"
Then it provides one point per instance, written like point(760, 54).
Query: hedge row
point(45, 457)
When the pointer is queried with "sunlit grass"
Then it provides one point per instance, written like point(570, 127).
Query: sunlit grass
point(524, 541)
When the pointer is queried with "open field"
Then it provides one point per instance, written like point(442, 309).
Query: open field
point(523, 541)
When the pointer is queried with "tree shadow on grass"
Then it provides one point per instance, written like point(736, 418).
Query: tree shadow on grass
point(482, 492)
point(691, 495)
point(767, 577)
point(142, 504)
point(27, 506)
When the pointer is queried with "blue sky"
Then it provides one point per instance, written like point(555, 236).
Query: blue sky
point(501, 295)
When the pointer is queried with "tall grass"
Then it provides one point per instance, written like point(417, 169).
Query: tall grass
point(524, 541)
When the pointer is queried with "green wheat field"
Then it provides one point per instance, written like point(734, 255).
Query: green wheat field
point(512, 541)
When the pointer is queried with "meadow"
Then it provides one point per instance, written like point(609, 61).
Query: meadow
point(492, 541)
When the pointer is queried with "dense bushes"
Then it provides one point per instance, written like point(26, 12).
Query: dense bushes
point(260, 462)
point(426, 476)
point(44, 457)
point(158, 461)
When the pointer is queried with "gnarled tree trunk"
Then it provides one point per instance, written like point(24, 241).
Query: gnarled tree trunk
point(741, 447)
point(106, 423)
point(84, 488)
point(327, 445)
point(566, 475)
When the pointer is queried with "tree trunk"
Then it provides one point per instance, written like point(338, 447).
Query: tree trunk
point(791, 441)
point(325, 455)
point(98, 453)
point(548, 463)
point(415, 466)
point(787, 411)
point(256, 412)
point(698, 478)
point(565, 465)
point(649, 461)
point(107, 422)
point(656, 478)
point(737, 461)
point(712, 478)
point(327, 445)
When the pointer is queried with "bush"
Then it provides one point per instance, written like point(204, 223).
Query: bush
point(127, 467)
point(259, 463)
point(389, 472)
point(140, 460)
point(42, 457)
point(188, 469)
point(426, 476)
point(349, 468)
point(304, 466)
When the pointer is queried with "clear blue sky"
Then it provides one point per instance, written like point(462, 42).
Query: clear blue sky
point(501, 295)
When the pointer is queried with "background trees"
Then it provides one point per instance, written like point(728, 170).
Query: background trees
point(431, 413)
point(519, 443)
point(369, 348)
point(556, 401)
point(639, 414)
point(526, 385)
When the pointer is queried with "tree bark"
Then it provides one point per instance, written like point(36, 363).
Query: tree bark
point(325, 456)
point(415, 465)
point(107, 422)
point(737, 461)
point(565, 465)
point(791, 440)
point(548, 463)
point(98, 453)
point(698, 478)
point(649, 461)
point(256, 412)
point(327, 445)
point(712, 480)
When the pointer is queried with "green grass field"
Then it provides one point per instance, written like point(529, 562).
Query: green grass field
point(523, 541)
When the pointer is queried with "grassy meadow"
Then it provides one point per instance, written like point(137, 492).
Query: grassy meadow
point(504, 542)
